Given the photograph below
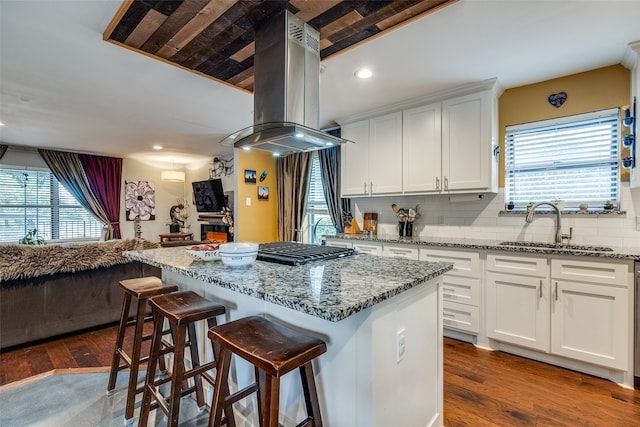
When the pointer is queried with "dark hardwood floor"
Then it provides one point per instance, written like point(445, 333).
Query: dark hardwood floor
point(481, 388)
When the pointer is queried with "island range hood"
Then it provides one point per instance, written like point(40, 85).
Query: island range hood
point(286, 90)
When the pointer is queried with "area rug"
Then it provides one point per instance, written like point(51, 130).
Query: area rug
point(80, 399)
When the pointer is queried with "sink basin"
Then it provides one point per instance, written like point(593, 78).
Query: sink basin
point(557, 246)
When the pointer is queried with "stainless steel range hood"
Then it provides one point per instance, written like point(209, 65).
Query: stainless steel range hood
point(286, 90)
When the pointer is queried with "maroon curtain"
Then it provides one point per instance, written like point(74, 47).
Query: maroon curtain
point(104, 175)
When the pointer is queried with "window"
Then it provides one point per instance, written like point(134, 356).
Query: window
point(35, 199)
point(317, 219)
point(574, 159)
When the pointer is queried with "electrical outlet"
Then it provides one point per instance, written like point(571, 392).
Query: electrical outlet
point(400, 345)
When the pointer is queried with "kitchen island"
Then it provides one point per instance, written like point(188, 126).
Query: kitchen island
point(381, 320)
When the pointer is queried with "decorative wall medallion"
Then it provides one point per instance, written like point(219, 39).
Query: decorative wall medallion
point(557, 99)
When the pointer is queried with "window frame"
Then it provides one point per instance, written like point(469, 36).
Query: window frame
point(608, 166)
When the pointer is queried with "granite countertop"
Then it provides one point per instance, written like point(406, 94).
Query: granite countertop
point(495, 245)
point(332, 290)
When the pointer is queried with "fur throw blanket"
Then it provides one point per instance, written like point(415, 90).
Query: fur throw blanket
point(22, 262)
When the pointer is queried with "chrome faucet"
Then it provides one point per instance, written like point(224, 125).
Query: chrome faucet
point(559, 236)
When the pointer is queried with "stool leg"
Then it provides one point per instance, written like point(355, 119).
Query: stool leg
point(115, 362)
point(178, 372)
point(156, 343)
point(222, 383)
point(195, 362)
point(228, 410)
point(135, 359)
point(270, 394)
point(310, 393)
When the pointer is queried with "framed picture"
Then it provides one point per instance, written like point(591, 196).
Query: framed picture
point(249, 176)
point(263, 193)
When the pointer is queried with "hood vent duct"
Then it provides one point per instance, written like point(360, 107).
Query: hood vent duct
point(286, 89)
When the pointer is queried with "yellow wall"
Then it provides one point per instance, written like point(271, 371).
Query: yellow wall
point(594, 90)
point(258, 222)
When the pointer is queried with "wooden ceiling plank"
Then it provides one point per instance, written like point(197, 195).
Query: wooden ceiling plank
point(245, 52)
point(309, 9)
point(183, 14)
point(348, 20)
point(241, 76)
point(212, 11)
point(149, 24)
point(371, 19)
point(410, 13)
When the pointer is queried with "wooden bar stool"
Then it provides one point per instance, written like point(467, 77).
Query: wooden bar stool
point(182, 310)
point(142, 289)
point(274, 351)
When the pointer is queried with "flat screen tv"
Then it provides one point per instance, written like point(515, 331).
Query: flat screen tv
point(208, 195)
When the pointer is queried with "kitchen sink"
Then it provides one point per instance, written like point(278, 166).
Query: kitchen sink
point(557, 246)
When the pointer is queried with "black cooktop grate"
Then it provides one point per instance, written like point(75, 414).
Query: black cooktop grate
point(292, 253)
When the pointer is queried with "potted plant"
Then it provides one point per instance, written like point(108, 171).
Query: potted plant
point(32, 238)
point(174, 225)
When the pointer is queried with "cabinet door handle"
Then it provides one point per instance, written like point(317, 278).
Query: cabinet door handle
point(370, 187)
point(437, 183)
point(446, 183)
point(365, 188)
point(556, 297)
point(540, 292)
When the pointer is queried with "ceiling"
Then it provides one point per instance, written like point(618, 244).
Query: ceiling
point(62, 86)
point(216, 38)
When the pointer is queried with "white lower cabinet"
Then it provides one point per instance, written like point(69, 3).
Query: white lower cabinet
point(590, 320)
point(517, 310)
point(567, 307)
point(460, 288)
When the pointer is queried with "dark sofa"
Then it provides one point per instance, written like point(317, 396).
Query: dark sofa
point(38, 306)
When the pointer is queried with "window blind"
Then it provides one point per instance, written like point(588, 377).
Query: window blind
point(315, 195)
point(574, 159)
point(35, 199)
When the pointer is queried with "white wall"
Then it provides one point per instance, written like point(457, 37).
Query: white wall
point(480, 219)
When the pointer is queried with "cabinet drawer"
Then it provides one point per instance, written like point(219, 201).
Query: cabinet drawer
point(400, 252)
point(521, 265)
point(602, 273)
point(461, 289)
point(338, 243)
point(460, 316)
point(368, 248)
point(466, 264)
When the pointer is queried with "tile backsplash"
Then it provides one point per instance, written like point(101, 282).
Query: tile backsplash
point(474, 218)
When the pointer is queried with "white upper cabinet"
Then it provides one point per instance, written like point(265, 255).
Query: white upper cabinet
point(373, 165)
point(385, 154)
point(468, 143)
point(355, 159)
point(422, 149)
point(442, 147)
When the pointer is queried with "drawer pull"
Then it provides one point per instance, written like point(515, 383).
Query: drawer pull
point(449, 290)
point(449, 315)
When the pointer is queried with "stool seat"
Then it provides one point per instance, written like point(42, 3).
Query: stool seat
point(271, 347)
point(141, 288)
point(274, 350)
point(186, 307)
point(145, 287)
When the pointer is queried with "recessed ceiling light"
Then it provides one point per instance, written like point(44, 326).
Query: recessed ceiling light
point(157, 147)
point(364, 73)
point(276, 154)
point(246, 148)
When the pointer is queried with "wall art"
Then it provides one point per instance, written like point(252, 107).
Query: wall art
point(140, 200)
point(249, 176)
point(263, 193)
